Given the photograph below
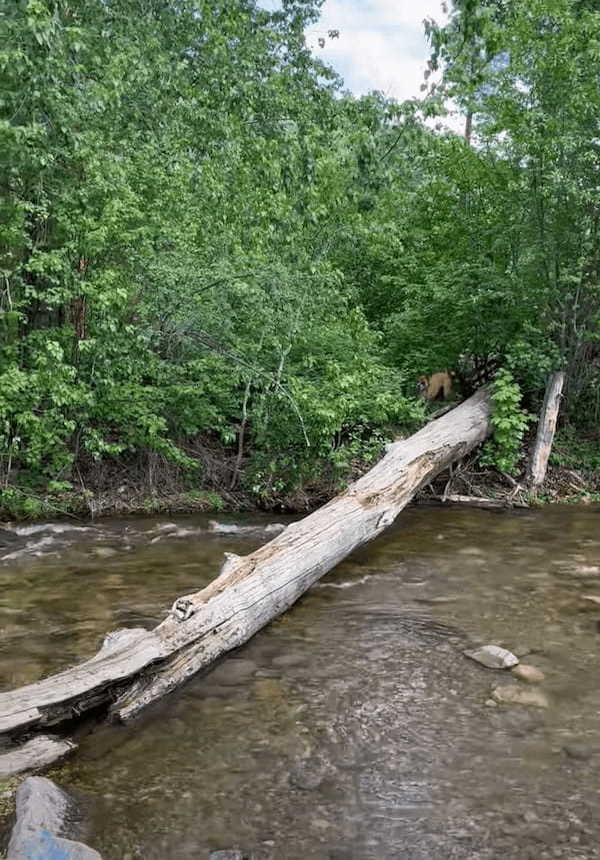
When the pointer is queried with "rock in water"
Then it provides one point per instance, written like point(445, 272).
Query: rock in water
point(229, 854)
point(583, 752)
point(493, 657)
point(42, 810)
point(514, 694)
point(525, 672)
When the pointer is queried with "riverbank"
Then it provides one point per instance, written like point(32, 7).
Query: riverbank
point(152, 485)
point(562, 486)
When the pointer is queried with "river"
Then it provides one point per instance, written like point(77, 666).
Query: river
point(353, 727)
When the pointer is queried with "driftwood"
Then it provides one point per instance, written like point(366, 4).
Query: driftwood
point(136, 667)
point(38, 752)
point(475, 501)
point(538, 464)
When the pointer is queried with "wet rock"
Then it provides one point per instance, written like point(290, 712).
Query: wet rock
point(233, 529)
point(519, 723)
point(490, 703)
point(581, 752)
point(526, 672)
point(515, 694)
point(42, 810)
point(492, 657)
point(232, 672)
point(228, 854)
point(104, 551)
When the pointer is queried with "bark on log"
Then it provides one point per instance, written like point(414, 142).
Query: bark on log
point(538, 464)
point(250, 591)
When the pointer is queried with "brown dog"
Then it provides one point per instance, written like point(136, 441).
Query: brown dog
point(431, 387)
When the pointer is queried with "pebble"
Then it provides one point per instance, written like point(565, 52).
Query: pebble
point(582, 752)
point(525, 672)
point(492, 657)
point(228, 854)
point(514, 694)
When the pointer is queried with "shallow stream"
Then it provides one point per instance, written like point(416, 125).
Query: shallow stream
point(352, 728)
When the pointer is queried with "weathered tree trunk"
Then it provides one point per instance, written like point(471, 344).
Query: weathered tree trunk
point(538, 463)
point(250, 591)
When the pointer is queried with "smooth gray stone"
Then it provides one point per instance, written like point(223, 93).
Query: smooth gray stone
point(42, 808)
point(229, 854)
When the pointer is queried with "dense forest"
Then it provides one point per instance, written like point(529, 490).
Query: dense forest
point(222, 274)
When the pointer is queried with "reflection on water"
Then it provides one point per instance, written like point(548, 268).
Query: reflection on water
point(353, 727)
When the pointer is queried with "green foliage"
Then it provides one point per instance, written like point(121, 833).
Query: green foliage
point(509, 422)
point(201, 238)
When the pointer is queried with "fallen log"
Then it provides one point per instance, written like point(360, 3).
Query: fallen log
point(136, 667)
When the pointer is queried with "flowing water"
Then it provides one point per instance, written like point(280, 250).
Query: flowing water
point(352, 728)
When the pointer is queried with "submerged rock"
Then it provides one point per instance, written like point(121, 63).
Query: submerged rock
point(233, 529)
point(492, 657)
point(514, 694)
point(582, 752)
point(42, 810)
point(525, 672)
point(228, 854)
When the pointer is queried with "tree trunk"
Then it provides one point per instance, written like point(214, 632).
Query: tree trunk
point(546, 429)
point(250, 591)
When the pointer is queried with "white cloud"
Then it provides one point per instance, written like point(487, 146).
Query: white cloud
point(381, 45)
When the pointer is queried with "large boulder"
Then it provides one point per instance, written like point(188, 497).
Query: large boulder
point(42, 811)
